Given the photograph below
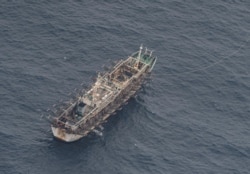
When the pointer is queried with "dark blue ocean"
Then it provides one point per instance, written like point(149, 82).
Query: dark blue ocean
point(192, 117)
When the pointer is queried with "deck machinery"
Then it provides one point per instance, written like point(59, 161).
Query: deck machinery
point(108, 93)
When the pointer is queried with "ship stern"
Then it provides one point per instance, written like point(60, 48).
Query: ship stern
point(62, 135)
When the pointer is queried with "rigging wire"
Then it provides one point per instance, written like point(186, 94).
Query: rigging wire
point(216, 62)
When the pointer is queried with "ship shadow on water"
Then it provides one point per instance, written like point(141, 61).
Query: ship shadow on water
point(121, 115)
point(64, 150)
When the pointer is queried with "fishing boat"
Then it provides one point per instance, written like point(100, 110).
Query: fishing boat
point(110, 91)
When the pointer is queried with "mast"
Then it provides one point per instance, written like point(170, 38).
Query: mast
point(139, 56)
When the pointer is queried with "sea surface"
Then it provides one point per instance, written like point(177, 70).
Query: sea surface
point(192, 117)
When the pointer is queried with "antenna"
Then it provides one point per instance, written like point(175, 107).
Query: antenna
point(151, 52)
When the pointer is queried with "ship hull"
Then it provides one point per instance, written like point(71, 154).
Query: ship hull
point(62, 135)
